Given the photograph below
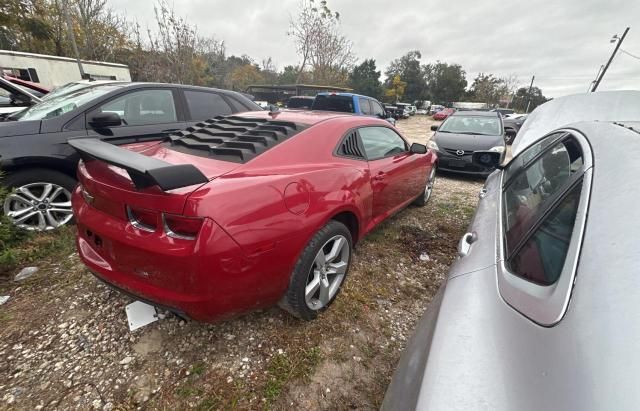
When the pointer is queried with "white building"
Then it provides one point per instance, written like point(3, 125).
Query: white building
point(54, 71)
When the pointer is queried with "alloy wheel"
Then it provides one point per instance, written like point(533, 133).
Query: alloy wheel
point(430, 182)
point(39, 206)
point(327, 272)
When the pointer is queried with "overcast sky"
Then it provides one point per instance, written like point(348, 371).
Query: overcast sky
point(562, 42)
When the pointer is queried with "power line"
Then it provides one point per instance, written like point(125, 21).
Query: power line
point(629, 54)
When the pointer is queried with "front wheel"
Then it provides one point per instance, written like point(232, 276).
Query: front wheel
point(319, 272)
point(428, 189)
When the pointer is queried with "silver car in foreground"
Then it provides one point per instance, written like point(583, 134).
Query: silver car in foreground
point(541, 311)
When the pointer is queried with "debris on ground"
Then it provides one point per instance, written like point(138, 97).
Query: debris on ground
point(4, 299)
point(26, 273)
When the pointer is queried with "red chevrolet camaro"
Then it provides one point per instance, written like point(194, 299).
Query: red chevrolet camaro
point(243, 212)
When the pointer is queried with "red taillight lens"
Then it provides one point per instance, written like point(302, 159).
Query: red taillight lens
point(143, 219)
point(178, 226)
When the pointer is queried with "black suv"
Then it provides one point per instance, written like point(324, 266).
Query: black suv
point(39, 164)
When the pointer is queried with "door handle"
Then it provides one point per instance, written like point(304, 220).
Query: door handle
point(465, 243)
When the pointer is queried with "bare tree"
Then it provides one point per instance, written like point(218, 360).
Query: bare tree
point(319, 43)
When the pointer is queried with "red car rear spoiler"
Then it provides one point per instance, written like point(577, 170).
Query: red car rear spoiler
point(144, 171)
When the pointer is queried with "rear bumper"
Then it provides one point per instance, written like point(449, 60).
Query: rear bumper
point(206, 279)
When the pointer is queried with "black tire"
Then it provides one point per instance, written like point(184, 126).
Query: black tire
point(19, 178)
point(293, 300)
point(423, 199)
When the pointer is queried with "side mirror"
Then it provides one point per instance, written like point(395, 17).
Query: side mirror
point(487, 159)
point(418, 148)
point(434, 128)
point(105, 120)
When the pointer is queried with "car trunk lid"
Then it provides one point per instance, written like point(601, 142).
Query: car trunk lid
point(148, 177)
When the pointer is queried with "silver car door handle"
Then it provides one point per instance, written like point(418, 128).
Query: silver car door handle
point(465, 243)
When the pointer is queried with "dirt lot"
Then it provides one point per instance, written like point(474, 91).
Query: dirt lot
point(64, 341)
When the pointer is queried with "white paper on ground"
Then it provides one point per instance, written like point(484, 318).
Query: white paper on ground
point(140, 314)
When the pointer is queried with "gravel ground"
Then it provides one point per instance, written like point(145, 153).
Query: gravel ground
point(64, 341)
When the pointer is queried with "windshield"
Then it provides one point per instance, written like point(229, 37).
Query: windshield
point(334, 103)
point(63, 103)
point(67, 88)
point(489, 126)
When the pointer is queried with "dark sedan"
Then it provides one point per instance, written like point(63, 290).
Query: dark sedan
point(463, 133)
point(41, 167)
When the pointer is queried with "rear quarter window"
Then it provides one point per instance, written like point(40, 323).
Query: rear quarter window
point(338, 103)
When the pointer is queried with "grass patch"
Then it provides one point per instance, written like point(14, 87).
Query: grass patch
point(284, 368)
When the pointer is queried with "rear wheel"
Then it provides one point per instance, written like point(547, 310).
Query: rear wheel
point(40, 199)
point(319, 272)
point(428, 189)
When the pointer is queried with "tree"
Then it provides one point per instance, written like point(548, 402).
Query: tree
point(21, 24)
point(409, 70)
point(486, 89)
point(319, 43)
point(523, 97)
point(288, 75)
point(243, 76)
point(395, 91)
point(446, 83)
point(364, 79)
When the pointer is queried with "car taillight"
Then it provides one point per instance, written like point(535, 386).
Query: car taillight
point(178, 226)
point(140, 218)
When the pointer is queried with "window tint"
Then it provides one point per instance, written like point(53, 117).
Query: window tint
point(365, 108)
point(143, 107)
point(381, 142)
point(376, 108)
point(204, 105)
point(542, 257)
point(536, 187)
point(333, 103)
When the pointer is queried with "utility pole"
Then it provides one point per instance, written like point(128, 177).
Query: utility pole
point(72, 38)
point(615, 50)
point(529, 94)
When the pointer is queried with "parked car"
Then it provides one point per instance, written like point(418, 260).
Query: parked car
point(464, 133)
point(503, 111)
point(539, 310)
point(243, 212)
point(15, 97)
point(434, 108)
point(512, 124)
point(443, 114)
point(351, 103)
point(41, 167)
point(421, 111)
point(393, 111)
point(412, 110)
point(300, 102)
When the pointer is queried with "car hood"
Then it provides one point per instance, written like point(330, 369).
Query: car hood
point(467, 142)
point(19, 128)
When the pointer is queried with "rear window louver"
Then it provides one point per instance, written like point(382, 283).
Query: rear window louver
point(233, 138)
point(350, 147)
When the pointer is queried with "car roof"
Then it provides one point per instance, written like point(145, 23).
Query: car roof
point(610, 106)
point(465, 113)
point(329, 93)
point(306, 117)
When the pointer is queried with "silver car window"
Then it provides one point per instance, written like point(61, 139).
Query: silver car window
point(530, 193)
